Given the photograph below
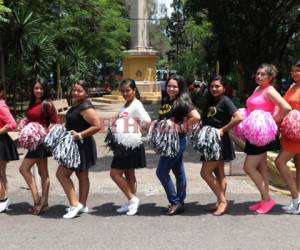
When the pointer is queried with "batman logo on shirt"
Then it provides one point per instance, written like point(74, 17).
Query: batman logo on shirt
point(166, 108)
point(212, 111)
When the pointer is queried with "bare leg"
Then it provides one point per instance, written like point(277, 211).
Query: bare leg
point(44, 174)
point(220, 175)
point(64, 177)
point(3, 180)
point(130, 177)
point(84, 186)
point(297, 165)
point(207, 174)
point(263, 169)
point(251, 168)
point(25, 168)
point(118, 178)
point(281, 164)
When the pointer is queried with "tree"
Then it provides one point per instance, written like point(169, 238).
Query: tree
point(3, 10)
point(250, 31)
point(158, 38)
point(192, 60)
point(175, 30)
point(80, 38)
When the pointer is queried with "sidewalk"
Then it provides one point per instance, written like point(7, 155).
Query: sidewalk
point(103, 228)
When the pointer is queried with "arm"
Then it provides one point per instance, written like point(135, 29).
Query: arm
point(143, 117)
point(193, 117)
point(91, 116)
point(54, 118)
point(7, 118)
point(235, 120)
point(284, 107)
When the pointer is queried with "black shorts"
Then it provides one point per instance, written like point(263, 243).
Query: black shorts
point(251, 149)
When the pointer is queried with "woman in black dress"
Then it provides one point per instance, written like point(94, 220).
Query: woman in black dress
point(83, 120)
point(220, 113)
point(8, 151)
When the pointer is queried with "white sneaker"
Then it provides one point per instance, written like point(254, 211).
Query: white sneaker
point(288, 208)
point(133, 206)
point(73, 212)
point(4, 205)
point(124, 208)
point(296, 208)
point(83, 210)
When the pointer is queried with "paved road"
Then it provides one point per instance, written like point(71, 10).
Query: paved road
point(102, 228)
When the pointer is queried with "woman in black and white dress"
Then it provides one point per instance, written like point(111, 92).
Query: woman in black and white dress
point(132, 116)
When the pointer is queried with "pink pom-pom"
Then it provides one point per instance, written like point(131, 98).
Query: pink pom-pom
point(32, 135)
point(238, 130)
point(260, 128)
point(290, 126)
point(22, 123)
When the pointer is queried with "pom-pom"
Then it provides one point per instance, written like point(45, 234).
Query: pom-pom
point(163, 136)
point(127, 133)
point(239, 129)
point(22, 123)
point(32, 135)
point(123, 137)
point(66, 152)
point(260, 128)
point(55, 134)
point(290, 126)
point(207, 142)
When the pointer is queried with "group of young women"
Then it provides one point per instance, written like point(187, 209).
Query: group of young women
point(219, 112)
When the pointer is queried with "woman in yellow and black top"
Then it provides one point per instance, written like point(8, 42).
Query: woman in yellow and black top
point(177, 107)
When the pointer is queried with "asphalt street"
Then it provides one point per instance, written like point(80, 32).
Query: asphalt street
point(103, 228)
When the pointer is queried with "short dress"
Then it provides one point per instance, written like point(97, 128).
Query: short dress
point(133, 158)
point(87, 147)
point(43, 113)
point(8, 150)
point(292, 96)
point(259, 101)
point(218, 115)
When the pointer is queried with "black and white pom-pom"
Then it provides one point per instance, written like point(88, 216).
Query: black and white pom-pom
point(66, 152)
point(54, 135)
point(163, 136)
point(194, 131)
point(207, 142)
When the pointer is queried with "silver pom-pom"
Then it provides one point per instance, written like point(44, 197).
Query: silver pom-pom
point(207, 142)
point(163, 136)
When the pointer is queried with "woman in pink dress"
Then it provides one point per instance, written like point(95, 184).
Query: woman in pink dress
point(265, 97)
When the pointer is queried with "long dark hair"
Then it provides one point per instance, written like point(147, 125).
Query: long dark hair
point(131, 83)
point(210, 99)
point(296, 63)
point(1, 89)
point(183, 98)
point(46, 94)
point(45, 98)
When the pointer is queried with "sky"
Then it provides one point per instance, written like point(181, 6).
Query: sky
point(167, 3)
